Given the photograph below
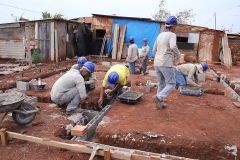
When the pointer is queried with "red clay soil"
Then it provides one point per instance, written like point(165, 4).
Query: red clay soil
point(192, 127)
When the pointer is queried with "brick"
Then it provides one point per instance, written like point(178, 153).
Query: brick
point(236, 104)
point(114, 63)
point(31, 87)
point(106, 64)
point(227, 92)
point(22, 85)
point(79, 130)
point(152, 73)
point(125, 88)
point(202, 77)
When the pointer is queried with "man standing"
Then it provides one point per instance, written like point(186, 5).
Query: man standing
point(115, 79)
point(190, 71)
point(144, 55)
point(90, 81)
point(132, 55)
point(164, 50)
point(71, 87)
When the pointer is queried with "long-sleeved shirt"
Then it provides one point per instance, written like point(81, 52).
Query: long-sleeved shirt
point(144, 51)
point(68, 81)
point(132, 53)
point(90, 80)
point(164, 49)
point(190, 71)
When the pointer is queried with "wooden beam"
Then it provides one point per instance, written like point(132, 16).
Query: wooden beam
point(29, 51)
point(120, 43)
point(3, 136)
point(84, 149)
point(56, 46)
point(52, 41)
point(107, 154)
point(115, 41)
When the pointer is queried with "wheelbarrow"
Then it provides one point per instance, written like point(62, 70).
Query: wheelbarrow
point(23, 113)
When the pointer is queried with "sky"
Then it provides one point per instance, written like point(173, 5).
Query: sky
point(227, 11)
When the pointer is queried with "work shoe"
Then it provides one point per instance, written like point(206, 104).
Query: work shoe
point(159, 104)
point(63, 106)
point(78, 110)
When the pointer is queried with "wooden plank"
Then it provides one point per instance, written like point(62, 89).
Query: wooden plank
point(52, 41)
point(236, 104)
point(120, 43)
point(115, 41)
point(125, 50)
point(107, 154)
point(227, 58)
point(216, 46)
point(3, 136)
point(36, 32)
point(29, 52)
point(56, 46)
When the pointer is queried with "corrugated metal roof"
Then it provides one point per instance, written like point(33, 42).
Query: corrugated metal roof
point(115, 16)
point(12, 49)
point(10, 25)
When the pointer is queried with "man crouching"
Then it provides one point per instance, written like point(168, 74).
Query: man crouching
point(71, 87)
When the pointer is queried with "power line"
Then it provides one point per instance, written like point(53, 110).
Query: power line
point(6, 14)
point(209, 20)
point(19, 8)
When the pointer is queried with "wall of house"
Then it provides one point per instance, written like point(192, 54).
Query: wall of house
point(190, 47)
point(104, 23)
point(71, 44)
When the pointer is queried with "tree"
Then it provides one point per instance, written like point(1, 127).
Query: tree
point(46, 15)
point(184, 17)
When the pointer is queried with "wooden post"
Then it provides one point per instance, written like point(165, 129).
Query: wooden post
point(56, 46)
point(120, 43)
point(29, 51)
point(107, 154)
point(3, 136)
point(115, 41)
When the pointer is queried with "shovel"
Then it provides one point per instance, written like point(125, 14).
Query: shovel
point(95, 147)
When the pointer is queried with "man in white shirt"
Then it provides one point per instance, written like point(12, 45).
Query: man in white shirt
point(144, 55)
point(164, 50)
point(132, 55)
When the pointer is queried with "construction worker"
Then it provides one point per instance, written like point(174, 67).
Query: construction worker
point(132, 56)
point(164, 50)
point(71, 87)
point(187, 73)
point(115, 79)
point(89, 82)
point(144, 55)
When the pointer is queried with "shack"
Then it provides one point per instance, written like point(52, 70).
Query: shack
point(195, 42)
point(55, 39)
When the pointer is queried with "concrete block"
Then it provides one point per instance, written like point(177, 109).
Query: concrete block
point(9, 117)
point(106, 64)
point(148, 86)
point(223, 77)
point(31, 87)
point(152, 73)
point(90, 114)
point(32, 100)
point(22, 85)
point(1, 91)
point(81, 138)
point(113, 63)
point(15, 90)
point(125, 88)
point(202, 77)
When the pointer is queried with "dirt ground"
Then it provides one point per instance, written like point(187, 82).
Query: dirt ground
point(192, 127)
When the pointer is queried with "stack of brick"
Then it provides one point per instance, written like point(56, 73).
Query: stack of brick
point(79, 130)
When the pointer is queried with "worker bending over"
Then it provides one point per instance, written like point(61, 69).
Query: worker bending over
point(115, 79)
point(187, 73)
point(89, 82)
point(71, 87)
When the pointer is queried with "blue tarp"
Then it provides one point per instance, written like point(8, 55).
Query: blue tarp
point(139, 30)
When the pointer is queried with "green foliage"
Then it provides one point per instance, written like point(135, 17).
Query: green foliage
point(46, 15)
point(184, 17)
point(36, 57)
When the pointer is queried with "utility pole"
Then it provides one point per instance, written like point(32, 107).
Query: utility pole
point(215, 19)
